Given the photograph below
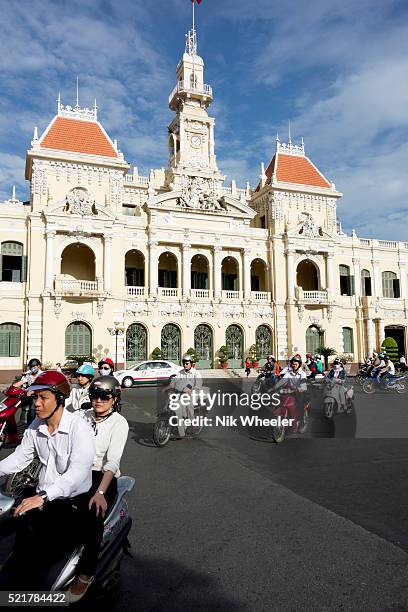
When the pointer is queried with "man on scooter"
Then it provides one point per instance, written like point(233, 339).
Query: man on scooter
point(65, 446)
point(185, 382)
point(294, 381)
point(338, 375)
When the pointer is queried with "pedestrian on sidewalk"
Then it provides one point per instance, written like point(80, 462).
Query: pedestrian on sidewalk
point(247, 366)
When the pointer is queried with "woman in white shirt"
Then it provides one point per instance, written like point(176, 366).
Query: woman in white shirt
point(111, 433)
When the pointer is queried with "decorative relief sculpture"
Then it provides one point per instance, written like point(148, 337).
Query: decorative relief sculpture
point(79, 202)
point(197, 194)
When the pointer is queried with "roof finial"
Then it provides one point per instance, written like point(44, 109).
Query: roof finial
point(13, 197)
point(77, 99)
point(35, 133)
point(191, 37)
point(290, 137)
point(59, 102)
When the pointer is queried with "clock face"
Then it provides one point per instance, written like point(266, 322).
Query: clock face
point(196, 141)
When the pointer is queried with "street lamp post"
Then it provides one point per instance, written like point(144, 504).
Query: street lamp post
point(116, 330)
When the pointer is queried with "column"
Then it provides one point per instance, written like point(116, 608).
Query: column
point(381, 332)
point(377, 289)
point(403, 279)
point(212, 140)
point(370, 336)
point(217, 271)
point(329, 275)
point(247, 273)
point(49, 266)
point(290, 267)
point(153, 268)
point(186, 269)
point(357, 278)
point(107, 280)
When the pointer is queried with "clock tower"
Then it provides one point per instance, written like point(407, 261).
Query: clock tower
point(191, 133)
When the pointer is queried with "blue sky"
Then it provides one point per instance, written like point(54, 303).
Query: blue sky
point(338, 69)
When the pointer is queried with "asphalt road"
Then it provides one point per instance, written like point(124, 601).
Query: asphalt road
point(228, 522)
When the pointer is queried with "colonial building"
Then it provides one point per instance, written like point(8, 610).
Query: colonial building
point(177, 259)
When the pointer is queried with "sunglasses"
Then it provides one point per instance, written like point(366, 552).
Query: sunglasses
point(104, 396)
point(105, 368)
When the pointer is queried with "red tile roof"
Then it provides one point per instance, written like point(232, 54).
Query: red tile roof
point(294, 169)
point(79, 137)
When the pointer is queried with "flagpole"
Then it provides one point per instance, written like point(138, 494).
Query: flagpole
point(193, 16)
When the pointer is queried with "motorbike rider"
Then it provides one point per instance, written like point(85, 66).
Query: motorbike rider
point(337, 375)
point(186, 381)
point(294, 380)
point(378, 367)
point(106, 367)
point(270, 370)
point(65, 446)
point(111, 433)
point(311, 365)
point(78, 399)
point(389, 368)
point(27, 379)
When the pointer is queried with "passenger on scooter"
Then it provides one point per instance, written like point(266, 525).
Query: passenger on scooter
point(65, 446)
point(106, 367)
point(337, 375)
point(186, 381)
point(378, 367)
point(78, 400)
point(271, 371)
point(293, 381)
point(111, 433)
point(28, 378)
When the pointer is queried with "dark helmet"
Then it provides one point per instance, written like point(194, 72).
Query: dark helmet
point(53, 381)
point(33, 363)
point(336, 362)
point(105, 387)
point(296, 359)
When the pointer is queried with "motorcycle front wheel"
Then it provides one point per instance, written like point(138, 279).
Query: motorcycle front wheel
point(17, 483)
point(368, 387)
point(161, 432)
point(304, 422)
point(401, 386)
point(3, 435)
point(329, 409)
point(278, 433)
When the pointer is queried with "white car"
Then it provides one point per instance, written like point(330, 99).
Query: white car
point(147, 373)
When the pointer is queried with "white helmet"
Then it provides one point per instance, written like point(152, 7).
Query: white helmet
point(186, 357)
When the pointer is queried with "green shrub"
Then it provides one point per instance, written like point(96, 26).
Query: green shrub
point(157, 353)
point(390, 346)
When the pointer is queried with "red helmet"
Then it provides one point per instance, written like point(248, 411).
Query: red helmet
point(53, 381)
point(107, 360)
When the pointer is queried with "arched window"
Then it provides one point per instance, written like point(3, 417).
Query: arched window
point(314, 339)
point(348, 345)
point(10, 340)
point(346, 281)
point(365, 283)
point(13, 264)
point(78, 339)
point(203, 345)
point(170, 342)
point(390, 285)
point(136, 344)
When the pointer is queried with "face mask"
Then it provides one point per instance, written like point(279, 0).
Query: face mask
point(337, 367)
point(105, 372)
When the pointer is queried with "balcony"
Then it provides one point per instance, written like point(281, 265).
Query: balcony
point(231, 295)
point(136, 292)
point(312, 297)
point(168, 292)
point(190, 88)
point(68, 286)
point(260, 296)
point(201, 294)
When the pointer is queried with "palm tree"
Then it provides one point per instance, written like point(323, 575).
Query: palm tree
point(327, 352)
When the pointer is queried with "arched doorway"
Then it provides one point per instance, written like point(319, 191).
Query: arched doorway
point(258, 275)
point(170, 342)
point(199, 272)
point(78, 339)
point(78, 262)
point(203, 346)
point(314, 339)
point(168, 268)
point(234, 340)
point(398, 333)
point(136, 344)
point(229, 274)
point(263, 342)
point(134, 269)
point(307, 276)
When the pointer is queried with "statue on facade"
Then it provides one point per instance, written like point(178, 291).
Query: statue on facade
point(198, 195)
point(308, 227)
point(79, 202)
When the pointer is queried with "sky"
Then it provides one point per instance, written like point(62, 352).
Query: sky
point(336, 69)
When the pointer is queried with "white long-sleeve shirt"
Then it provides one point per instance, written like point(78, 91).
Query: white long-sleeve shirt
point(111, 436)
point(184, 378)
point(77, 398)
point(66, 456)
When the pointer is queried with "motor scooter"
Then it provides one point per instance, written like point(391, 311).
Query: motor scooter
point(114, 545)
point(331, 399)
point(8, 409)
